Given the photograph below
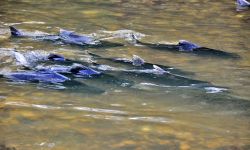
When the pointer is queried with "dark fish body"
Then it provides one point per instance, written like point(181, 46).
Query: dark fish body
point(76, 69)
point(109, 79)
point(52, 80)
point(16, 33)
point(138, 72)
point(188, 47)
point(150, 66)
point(144, 65)
point(165, 79)
point(243, 3)
point(70, 37)
point(67, 37)
point(37, 76)
point(81, 87)
point(84, 71)
point(203, 51)
point(169, 47)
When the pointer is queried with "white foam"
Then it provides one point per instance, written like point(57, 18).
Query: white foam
point(214, 90)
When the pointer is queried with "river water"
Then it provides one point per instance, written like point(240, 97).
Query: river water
point(143, 116)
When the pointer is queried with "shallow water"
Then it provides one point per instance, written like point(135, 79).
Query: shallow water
point(108, 114)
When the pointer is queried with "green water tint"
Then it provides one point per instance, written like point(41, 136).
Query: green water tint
point(143, 116)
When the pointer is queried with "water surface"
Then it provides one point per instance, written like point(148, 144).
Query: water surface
point(144, 116)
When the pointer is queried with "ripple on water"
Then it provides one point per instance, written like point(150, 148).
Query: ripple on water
point(118, 115)
point(100, 110)
point(25, 22)
point(80, 108)
point(152, 119)
point(214, 90)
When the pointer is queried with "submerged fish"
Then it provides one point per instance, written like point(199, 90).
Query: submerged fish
point(67, 37)
point(73, 69)
point(187, 47)
point(243, 3)
point(37, 76)
point(32, 58)
point(52, 80)
point(138, 63)
point(141, 71)
point(76, 69)
point(17, 33)
point(70, 37)
point(138, 71)
point(145, 72)
point(154, 75)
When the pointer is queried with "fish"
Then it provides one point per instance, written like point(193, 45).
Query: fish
point(32, 58)
point(66, 37)
point(92, 75)
point(184, 46)
point(142, 71)
point(138, 70)
point(154, 75)
point(76, 69)
point(70, 37)
point(52, 80)
point(72, 68)
point(242, 5)
point(136, 62)
point(17, 33)
point(37, 76)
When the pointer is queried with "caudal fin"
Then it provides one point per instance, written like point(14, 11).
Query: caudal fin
point(14, 31)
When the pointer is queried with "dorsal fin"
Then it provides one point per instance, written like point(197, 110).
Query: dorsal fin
point(137, 61)
point(14, 31)
point(159, 69)
point(65, 32)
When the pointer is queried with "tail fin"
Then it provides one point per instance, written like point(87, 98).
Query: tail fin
point(21, 60)
point(14, 31)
